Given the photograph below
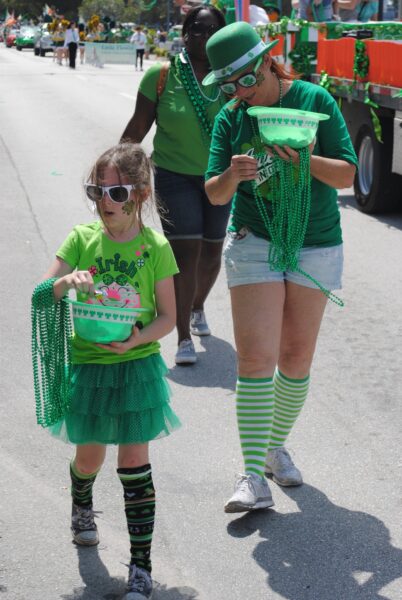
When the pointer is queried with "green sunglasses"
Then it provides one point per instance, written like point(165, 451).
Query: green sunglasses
point(247, 80)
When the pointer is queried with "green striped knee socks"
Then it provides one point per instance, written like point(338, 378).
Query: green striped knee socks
point(254, 409)
point(139, 504)
point(290, 395)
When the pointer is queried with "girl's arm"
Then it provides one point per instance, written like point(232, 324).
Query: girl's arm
point(161, 326)
point(141, 121)
point(68, 279)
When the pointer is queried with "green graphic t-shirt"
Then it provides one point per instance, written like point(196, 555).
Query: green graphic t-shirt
point(233, 134)
point(179, 144)
point(125, 272)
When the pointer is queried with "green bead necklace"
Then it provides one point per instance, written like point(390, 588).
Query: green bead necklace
point(198, 99)
point(290, 210)
point(51, 354)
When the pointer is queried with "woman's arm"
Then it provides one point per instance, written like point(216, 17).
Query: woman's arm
point(68, 279)
point(163, 324)
point(220, 189)
point(141, 121)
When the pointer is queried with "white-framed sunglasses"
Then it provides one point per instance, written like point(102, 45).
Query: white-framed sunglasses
point(247, 80)
point(117, 193)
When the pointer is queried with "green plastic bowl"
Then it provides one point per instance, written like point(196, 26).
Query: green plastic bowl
point(286, 126)
point(103, 324)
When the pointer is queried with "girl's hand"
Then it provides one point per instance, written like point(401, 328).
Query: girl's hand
point(122, 347)
point(79, 280)
point(287, 153)
point(243, 167)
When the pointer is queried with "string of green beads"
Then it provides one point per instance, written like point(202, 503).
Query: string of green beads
point(51, 355)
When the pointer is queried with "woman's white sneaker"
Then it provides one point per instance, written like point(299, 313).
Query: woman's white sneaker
point(185, 354)
point(198, 323)
point(251, 492)
point(281, 468)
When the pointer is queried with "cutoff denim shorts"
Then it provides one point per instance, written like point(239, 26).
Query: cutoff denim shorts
point(246, 262)
point(188, 212)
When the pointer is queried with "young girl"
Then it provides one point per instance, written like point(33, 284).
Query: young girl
point(117, 391)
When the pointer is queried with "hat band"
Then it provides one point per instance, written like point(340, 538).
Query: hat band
point(240, 62)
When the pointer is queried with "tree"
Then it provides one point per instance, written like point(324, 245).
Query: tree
point(114, 9)
point(34, 8)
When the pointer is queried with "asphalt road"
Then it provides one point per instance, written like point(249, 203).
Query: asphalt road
point(339, 537)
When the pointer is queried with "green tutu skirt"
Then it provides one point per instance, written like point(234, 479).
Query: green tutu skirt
point(122, 403)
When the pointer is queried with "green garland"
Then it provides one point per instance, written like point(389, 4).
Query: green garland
point(302, 56)
point(361, 60)
point(51, 354)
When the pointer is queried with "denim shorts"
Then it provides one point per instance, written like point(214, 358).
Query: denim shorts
point(187, 212)
point(246, 262)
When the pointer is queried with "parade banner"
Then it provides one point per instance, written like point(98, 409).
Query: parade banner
point(242, 10)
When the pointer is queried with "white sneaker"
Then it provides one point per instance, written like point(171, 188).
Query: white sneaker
point(251, 492)
point(185, 354)
point(198, 323)
point(139, 586)
point(280, 467)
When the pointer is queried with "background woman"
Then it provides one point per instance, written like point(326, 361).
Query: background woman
point(184, 114)
point(276, 315)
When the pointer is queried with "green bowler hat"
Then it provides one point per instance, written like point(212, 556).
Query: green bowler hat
point(232, 49)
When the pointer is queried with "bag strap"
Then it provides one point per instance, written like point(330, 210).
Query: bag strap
point(163, 73)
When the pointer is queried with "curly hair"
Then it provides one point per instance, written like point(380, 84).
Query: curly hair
point(192, 15)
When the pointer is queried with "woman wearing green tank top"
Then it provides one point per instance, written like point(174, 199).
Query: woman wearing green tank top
point(184, 114)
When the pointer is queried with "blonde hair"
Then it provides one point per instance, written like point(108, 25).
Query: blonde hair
point(130, 161)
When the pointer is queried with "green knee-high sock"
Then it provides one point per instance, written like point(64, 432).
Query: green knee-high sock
point(254, 409)
point(139, 505)
point(81, 486)
point(290, 395)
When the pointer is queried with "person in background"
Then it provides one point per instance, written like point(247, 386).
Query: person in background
point(184, 113)
point(81, 43)
point(147, 45)
point(71, 41)
point(318, 11)
point(139, 40)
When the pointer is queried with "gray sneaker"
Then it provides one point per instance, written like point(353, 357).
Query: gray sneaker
point(83, 527)
point(185, 354)
point(251, 492)
point(280, 467)
point(139, 586)
point(198, 323)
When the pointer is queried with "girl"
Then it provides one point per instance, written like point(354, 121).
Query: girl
point(118, 393)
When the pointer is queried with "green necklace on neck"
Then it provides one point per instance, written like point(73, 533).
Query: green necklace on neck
point(198, 99)
point(290, 203)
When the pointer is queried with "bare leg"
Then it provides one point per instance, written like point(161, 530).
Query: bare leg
point(187, 253)
point(89, 457)
point(209, 265)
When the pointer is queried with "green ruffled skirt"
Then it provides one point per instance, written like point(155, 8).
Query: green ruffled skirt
point(122, 403)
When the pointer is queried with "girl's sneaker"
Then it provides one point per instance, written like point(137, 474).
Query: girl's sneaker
point(139, 586)
point(83, 527)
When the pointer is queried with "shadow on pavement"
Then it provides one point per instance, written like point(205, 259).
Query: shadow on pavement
point(99, 585)
point(323, 552)
point(218, 362)
point(393, 219)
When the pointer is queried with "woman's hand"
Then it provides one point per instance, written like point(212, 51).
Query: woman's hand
point(287, 153)
point(128, 344)
point(243, 167)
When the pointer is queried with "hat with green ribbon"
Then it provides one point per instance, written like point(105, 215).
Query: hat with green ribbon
point(232, 49)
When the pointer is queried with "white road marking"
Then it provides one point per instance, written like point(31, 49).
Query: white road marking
point(129, 96)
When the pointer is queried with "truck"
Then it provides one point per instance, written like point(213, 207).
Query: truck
point(370, 104)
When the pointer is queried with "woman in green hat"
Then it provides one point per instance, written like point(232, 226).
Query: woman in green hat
point(184, 111)
point(276, 313)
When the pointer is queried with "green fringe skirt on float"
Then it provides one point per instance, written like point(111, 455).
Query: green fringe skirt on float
point(122, 403)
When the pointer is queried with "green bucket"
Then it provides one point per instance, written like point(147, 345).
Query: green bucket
point(103, 324)
point(286, 126)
